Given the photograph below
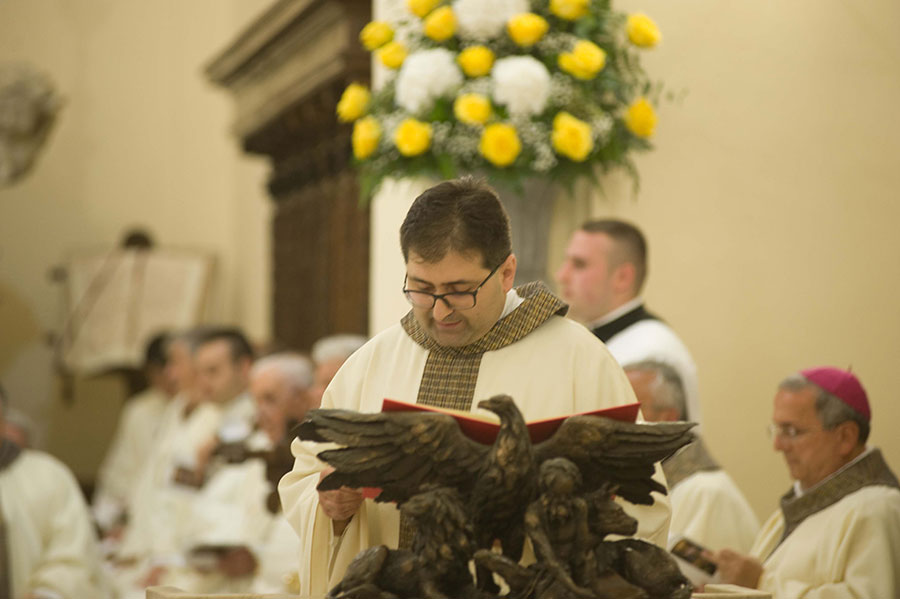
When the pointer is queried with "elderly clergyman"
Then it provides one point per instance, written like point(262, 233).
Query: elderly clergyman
point(707, 505)
point(837, 533)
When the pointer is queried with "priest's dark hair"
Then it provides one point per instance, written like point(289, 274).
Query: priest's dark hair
point(155, 352)
point(461, 215)
point(237, 341)
point(631, 245)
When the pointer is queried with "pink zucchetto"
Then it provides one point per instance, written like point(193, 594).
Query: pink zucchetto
point(843, 384)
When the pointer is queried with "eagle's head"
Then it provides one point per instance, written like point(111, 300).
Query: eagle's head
point(501, 405)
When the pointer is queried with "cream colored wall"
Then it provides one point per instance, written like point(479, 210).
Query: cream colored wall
point(770, 205)
point(142, 139)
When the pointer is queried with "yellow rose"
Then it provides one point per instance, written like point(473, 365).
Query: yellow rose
point(642, 31)
point(571, 137)
point(353, 102)
point(476, 61)
point(500, 144)
point(569, 9)
point(641, 118)
point(527, 29)
point(473, 109)
point(420, 8)
point(366, 135)
point(376, 34)
point(392, 55)
point(584, 61)
point(412, 137)
point(440, 25)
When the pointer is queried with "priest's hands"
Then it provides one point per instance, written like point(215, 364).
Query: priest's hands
point(339, 505)
point(736, 568)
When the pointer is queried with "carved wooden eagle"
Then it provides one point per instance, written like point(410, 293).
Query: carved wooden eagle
point(400, 452)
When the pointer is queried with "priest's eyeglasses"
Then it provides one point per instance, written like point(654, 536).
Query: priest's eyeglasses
point(455, 300)
point(785, 431)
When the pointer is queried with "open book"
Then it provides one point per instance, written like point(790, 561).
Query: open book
point(483, 426)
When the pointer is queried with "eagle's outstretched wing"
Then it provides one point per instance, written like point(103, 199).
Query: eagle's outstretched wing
point(612, 451)
point(396, 451)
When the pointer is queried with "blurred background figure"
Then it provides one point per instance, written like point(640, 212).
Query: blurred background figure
point(328, 354)
point(48, 547)
point(18, 428)
point(159, 501)
point(601, 279)
point(238, 540)
point(222, 358)
point(707, 506)
point(133, 439)
point(283, 388)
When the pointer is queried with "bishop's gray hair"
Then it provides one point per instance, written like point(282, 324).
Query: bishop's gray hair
point(831, 410)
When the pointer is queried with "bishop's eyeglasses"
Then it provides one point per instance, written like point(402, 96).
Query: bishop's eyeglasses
point(787, 432)
point(455, 300)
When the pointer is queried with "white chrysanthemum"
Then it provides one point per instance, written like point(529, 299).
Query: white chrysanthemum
point(425, 76)
point(521, 83)
point(481, 20)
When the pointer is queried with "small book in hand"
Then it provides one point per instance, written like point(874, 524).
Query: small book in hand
point(689, 555)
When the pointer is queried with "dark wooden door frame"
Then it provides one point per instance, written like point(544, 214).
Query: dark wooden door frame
point(286, 71)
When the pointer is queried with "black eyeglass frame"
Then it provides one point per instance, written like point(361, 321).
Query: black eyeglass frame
point(441, 296)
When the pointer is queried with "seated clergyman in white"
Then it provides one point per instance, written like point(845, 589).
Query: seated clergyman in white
point(837, 533)
point(48, 547)
point(707, 506)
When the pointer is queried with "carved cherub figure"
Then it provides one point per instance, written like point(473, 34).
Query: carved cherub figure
point(557, 523)
point(565, 529)
point(435, 568)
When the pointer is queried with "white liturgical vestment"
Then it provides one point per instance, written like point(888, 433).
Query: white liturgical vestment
point(51, 541)
point(128, 451)
point(848, 549)
point(559, 368)
point(709, 508)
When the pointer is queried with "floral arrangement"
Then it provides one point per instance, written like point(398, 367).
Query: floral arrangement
point(509, 88)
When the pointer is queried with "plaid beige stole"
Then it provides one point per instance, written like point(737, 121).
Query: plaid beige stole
point(690, 459)
point(451, 372)
point(868, 471)
point(8, 453)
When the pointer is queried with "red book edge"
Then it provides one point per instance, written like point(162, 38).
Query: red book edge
point(477, 428)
